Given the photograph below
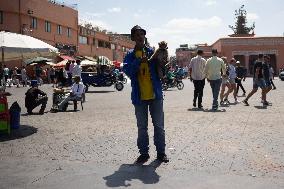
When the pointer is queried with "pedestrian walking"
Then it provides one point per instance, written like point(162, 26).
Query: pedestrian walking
point(213, 68)
point(271, 75)
point(77, 69)
point(258, 81)
point(24, 76)
point(38, 73)
point(241, 76)
point(232, 81)
point(225, 81)
point(146, 95)
point(266, 75)
point(197, 76)
point(6, 74)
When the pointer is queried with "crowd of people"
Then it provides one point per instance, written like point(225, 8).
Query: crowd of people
point(227, 76)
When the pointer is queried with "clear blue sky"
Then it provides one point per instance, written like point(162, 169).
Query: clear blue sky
point(182, 21)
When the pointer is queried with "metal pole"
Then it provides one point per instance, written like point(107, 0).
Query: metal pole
point(2, 61)
point(1, 68)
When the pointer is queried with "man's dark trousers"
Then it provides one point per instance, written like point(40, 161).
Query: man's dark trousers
point(198, 90)
point(40, 101)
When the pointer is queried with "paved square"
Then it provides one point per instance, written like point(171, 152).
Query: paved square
point(236, 147)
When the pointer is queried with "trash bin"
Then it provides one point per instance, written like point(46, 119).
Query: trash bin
point(15, 112)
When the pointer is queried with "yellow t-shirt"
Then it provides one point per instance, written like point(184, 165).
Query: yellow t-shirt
point(144, 79)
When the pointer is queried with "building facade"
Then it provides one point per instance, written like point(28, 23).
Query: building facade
point(57, 24)
point(246, 50)
point(54, 23)
point(95, 43)
point(243, 49)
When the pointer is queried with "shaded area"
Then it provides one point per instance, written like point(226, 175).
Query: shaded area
point(23, 131)
point(128, 172)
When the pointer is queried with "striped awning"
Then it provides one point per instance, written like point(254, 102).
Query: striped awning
point(103, 60)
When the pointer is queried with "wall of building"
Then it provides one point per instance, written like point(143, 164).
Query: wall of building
point(248, 48)
point(115, 50)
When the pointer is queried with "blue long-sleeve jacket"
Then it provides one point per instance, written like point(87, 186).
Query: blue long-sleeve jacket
point(131, 68)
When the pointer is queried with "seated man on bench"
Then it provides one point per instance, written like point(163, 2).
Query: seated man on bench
point(75, 95)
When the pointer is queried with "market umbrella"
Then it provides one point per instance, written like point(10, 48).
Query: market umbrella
point(61, 64)
point(38, 59)
point(45, 63)
point(16, 46)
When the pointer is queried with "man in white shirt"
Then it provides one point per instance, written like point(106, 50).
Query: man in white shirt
point(77, 69)
point(76, 93)
point(213, 68)
point(196, 74)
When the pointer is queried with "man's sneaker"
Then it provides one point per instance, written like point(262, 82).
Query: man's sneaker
point(222, 103)
point(226, 101)
point(200, 106)
point(236, 100)
point(265, 103)
point(163, 158)
point(245, 102)
point(142, 158)
point(215, 108)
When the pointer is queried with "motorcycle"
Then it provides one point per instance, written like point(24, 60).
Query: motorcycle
point(101, 80)
point(121, 77)
point(176, 82)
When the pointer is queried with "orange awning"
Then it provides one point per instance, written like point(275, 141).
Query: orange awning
point(65, 57)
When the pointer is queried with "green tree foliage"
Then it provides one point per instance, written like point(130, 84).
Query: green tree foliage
point(240, 25)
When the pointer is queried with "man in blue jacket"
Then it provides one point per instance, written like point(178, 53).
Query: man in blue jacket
point(146, 94)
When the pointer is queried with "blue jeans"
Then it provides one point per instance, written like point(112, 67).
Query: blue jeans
point(215, 86)
point(157, 113)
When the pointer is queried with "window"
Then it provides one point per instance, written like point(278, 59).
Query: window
point(69, 32)
point(1, 17)
point(59, 29)
point(34, 23)
point(101, 43)
point(47, 26)
point(112, 46)
point(107, 45)
point(83, 40)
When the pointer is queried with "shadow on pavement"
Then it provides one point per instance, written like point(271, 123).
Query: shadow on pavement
point(210, 110)
point(34, 113)
point(23, 131)
point(261, 107)
point(205, 110)
point(100, 91)
point(128, 172)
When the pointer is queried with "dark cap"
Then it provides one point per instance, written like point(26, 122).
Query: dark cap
point(135, 28)
point(34, 83)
